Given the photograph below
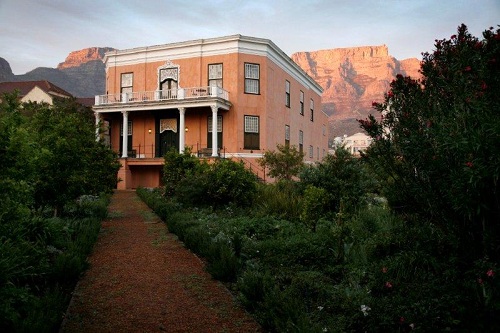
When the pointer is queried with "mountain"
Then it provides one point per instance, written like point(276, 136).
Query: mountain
point(352, 78)
point(82, 73)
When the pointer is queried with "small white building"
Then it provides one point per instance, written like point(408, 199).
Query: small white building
point(354, 143)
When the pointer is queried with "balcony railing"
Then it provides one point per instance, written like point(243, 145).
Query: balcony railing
point(162, 95)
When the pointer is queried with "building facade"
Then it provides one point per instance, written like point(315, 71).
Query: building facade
point(41, 91)
point(232, 97)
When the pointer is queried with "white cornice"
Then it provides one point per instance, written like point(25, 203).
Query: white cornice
point(210, 47)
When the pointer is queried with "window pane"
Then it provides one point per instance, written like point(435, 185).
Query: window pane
point(215, 71)
point(251, 71)
point(252, 86)
point(251, 124)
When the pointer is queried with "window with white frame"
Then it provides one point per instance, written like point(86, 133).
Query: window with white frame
point(311, 149)
point(252, 78)
point(312, 109)
point(251, 138)
point(287, 93)
point(301, 141)
point(287, 135)
point(215, 75)
point(126, 83)
point(301, 103)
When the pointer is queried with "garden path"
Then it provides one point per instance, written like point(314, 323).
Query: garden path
point(142, 279)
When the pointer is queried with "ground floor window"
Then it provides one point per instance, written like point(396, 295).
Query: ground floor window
point(251, 133)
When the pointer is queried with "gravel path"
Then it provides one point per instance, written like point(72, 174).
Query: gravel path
point(142, 279)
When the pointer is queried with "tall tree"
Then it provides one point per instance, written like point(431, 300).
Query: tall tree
point(437, 142)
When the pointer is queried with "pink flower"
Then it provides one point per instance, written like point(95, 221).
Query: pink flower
point(490, 273)
point(384, 269)
point(401, 319)
point(467, 69)
point(390, 94)
point(469, 164)
point(484, 86)
point(388, 285)
point(480, 281)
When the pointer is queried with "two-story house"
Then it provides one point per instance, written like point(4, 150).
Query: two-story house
point(232, 97)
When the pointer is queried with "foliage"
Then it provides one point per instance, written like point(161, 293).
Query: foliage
point(283, 164)
point(178, 167)
point(194, 182)
point(49, 162)
point(436, 138)
point(281, 199)
point(344, 179)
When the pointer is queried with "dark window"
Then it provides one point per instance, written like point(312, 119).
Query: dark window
point(287, 135)
point(219, 132)
point(251, 139)
point(301, 102)
point(287, 93)
point(252, 77)
point(312, 110)
point(301, 141)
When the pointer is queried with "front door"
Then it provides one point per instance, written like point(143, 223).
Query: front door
point(169, 136)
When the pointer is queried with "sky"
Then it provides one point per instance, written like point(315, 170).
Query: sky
point(41, 33)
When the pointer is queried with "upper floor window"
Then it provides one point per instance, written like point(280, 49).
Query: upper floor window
point(287, 93)
point(215, 75)
point(252, 78)
point(312, 110)
point(311, 149)
point(126, 82)
point(301, 102)
point(251, 136)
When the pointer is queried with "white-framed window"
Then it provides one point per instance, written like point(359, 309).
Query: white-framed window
point(311, 149)
point(215, 75)
point(312, 109)
point(287, 93)
point(287, 135)
point(251, 138)
point(301, 103)
point(127, 82)
point(252, 78)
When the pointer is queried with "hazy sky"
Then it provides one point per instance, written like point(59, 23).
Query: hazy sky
point(41, 33)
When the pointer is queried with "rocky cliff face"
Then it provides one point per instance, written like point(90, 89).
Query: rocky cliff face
point(82, 74)
point(5, 71)
point(352, 78)
point(77, 58)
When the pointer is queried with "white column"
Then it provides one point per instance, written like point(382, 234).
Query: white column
point(125, 134)
point(215, 144)
point(182, 132)
point(97, 125)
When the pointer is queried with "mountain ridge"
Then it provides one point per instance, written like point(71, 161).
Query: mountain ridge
point(351, 77)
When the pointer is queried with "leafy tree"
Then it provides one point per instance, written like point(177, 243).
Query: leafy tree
point(436, 144)
point(343, 177)
point(69, 160)
point(283, 164)
point(177, 167)
point(437, 140)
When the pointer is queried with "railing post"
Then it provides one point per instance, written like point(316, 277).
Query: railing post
point(97, 100)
